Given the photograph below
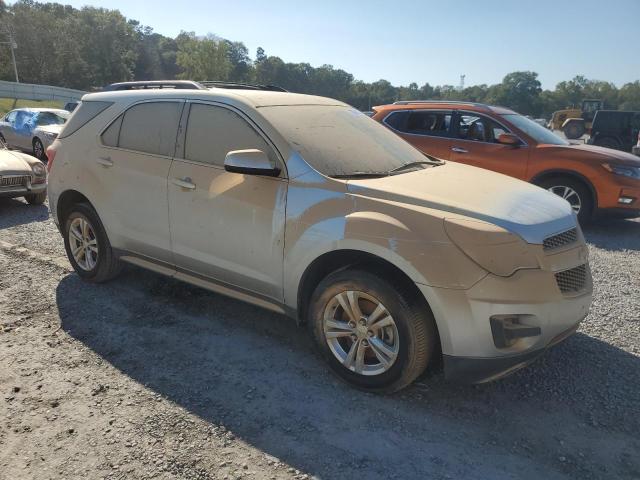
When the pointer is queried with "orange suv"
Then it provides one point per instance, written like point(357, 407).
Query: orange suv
point(593, 180)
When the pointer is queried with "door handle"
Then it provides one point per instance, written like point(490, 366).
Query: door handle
point(459, 150)
point(106, 162)
point(185, 182)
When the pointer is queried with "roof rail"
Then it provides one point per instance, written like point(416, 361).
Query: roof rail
point(155, 84)
point(418, 102)
point(241, 86)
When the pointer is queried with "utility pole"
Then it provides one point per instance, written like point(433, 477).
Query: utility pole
point(12, 46)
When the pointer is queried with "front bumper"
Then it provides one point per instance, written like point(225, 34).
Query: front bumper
point(481, 370)
point(474, 352)
point(21, 190)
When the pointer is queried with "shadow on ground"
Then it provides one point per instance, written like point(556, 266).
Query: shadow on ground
point(614, 234)
point(15, 212)
point(254, 372)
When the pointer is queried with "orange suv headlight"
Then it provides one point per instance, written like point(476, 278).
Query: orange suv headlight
point(624, 170)
point(493, 248)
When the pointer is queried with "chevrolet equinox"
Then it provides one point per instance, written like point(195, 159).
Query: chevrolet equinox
point(307, 207)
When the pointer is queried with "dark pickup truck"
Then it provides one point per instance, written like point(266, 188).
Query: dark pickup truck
point(615, 129)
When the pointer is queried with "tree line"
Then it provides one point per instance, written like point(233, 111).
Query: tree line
point(91, 47)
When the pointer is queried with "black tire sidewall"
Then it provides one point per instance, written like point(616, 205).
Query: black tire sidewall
point(395, 304)
point(86, 212)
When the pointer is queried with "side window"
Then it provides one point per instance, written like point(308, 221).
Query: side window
point(479, 128)
point(435, 124)
point(111, 135)
point(397, 120)
point(11, 117)
point(150, 128)
point(213, 131)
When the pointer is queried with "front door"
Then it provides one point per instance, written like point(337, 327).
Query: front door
point(475, 143)
point(226, 226)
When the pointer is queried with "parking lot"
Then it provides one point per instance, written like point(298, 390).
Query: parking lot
point(146, 377)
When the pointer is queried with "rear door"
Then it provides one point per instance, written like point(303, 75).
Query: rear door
point(427, 130)
point(475, 143)
point(132, 169)
point(226, 226)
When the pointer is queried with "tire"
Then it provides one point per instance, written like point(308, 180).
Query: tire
point(38, 150)
point(36, 198)
point(558, 185)
point(3, 140)
point(574, 130)
point(411, 337)
point(95, 267)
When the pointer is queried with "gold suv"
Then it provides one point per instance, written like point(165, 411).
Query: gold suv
point(307, 207)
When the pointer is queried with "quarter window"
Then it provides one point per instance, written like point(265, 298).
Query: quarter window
point(146, 127)
point(212, 132)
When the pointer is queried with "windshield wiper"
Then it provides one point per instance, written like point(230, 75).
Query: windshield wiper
point(361, 175)
point(432, 161)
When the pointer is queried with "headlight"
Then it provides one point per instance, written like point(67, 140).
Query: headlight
point(39, 169)
point(493, 248)
point(624, 170)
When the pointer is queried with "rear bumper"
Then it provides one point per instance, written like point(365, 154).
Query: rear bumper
point(481, 370)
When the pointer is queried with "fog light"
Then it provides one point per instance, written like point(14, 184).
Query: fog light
point(626, 200)
point(507, 329)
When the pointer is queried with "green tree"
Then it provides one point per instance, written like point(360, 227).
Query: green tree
point(202, 58)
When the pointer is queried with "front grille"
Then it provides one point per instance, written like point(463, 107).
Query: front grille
point(13, 181)
point(573, 280)
point(560, 240)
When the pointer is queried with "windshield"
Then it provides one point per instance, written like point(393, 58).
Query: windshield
point(342, 141)
point(534, 130)
point(50, 118)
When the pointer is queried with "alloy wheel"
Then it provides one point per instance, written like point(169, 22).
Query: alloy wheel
point(83, 243)
point(38, 149)
point(361, 333)
point(569, 194)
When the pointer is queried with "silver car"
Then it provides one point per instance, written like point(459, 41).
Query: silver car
point(305, 206)
point(32, 130)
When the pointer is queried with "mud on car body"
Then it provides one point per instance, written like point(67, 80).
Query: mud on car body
point(307, 207)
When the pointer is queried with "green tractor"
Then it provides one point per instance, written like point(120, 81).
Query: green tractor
point(575, 122)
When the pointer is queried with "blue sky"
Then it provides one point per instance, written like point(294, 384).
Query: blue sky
point(421, 41)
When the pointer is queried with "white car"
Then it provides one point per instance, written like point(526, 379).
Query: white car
point(22, 175)
point(307, 207)
point(32, 130)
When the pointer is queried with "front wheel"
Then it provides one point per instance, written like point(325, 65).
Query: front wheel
point(36, 198)
point(88, 247)
point(375, 336)
point(574, 192)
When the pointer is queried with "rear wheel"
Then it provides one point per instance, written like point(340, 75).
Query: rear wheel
point(375, 336)
point(573, 191)
point(2, 140)
point(38, 150)
point(88, 247)
point(36, 198)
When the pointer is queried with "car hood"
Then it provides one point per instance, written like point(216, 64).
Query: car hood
point(15, 162)
point(50, 128)
point(522, 208)
point(591, 153)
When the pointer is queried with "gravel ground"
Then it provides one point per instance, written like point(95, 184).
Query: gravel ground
point(146, 377)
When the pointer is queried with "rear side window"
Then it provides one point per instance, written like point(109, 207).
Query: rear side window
point(212, 132)
point(82, 115)
point(147, 127)
point(433, 124)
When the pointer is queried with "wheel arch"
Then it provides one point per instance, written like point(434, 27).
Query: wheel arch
point(66, 200)
point(540, 177)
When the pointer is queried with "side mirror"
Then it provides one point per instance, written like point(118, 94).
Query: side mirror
point(508, 139)
point(250, 162)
